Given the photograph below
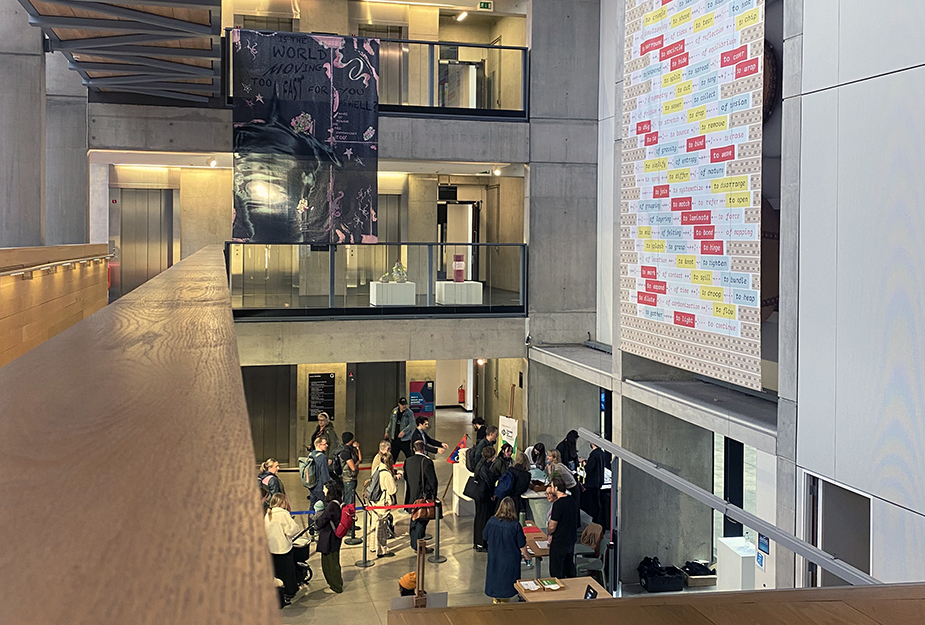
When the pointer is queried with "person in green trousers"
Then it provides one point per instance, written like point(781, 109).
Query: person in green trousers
point(328, 542)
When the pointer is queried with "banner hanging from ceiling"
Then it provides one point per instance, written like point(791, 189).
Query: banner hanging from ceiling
point(690, 251)
point(305, 137)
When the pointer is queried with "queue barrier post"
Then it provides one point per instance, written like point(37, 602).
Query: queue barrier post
point(437, 558)
point(365, 563)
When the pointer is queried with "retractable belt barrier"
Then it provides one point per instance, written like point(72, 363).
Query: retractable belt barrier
point(436, 558)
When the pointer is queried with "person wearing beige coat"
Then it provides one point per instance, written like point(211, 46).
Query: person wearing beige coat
point(378, 539)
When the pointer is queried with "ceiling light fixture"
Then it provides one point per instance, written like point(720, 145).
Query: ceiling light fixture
point(462, 16)
point(496, 172)
point(213, 162)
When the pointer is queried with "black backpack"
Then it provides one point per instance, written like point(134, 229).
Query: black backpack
point(472, 460)
point(337, 466)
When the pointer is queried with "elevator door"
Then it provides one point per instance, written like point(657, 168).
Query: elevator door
point(146, 235)
point(271, 404)
point(378, 388)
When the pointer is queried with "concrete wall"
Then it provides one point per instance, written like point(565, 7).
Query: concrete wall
point(409, 138)
point(206, 202)
point(854, 387)
point(66, 167)
point(609, 153)
point(563, 169)
point(497, 377)
point(450, 374)
point(557, 403)
point(299, 342)
point(159, 128)
point(420, 371)
point(323, 16)
point(22, 129)
point(658, 520)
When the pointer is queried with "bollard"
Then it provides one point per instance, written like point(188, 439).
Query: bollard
point(437, 558)
point(365, 563)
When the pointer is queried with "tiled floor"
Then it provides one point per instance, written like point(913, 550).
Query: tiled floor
point(368, 592)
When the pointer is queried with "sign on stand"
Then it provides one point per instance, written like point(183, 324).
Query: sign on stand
point(507, 428)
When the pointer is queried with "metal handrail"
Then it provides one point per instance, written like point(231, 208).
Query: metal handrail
point(58, 263)
point(452, 44)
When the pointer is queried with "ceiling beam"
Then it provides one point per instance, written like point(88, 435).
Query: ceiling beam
point(138, 62)
point(150, 82)
point(137, 16)
point(189, 97)
point(90, 23)
point(136, 78)
point(74, 45)
point(141, 69)
point(177, 4)
point(94, 47)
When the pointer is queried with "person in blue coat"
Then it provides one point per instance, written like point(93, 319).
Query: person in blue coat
point(506, 545)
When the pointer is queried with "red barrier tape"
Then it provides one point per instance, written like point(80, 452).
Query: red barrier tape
point(413, 505)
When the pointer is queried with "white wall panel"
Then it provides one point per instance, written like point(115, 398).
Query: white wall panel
point(898, 542)
point(818, 262)
point(878, 37)
point(820, 44)
point(880, 349)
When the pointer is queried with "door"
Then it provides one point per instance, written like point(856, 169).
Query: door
point(378, 387)
point(146, 232)
point(393, 61)
point(271, 405)
point(838, 523)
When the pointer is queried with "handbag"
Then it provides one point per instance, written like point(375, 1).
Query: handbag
point(424, 514)
point(475, 488)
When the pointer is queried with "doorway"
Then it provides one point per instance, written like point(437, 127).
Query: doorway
point(143, 237)
point(838, 522)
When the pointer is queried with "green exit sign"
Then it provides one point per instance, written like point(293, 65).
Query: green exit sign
point(485, 6)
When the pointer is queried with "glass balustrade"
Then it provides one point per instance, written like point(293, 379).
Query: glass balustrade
point(293, 280)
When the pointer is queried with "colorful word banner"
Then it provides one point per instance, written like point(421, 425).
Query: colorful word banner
point(305, 138)
point(690, 242)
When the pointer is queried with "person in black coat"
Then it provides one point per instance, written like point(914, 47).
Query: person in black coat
point(568, 450)
point(594, 480)
point(420, 483)
point(328, 541)
point(484, 506)
point(521, 472)
point(431, 445)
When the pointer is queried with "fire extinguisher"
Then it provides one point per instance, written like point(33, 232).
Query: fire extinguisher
point(462, 394)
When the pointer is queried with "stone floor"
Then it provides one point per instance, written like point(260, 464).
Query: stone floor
point(368, 592)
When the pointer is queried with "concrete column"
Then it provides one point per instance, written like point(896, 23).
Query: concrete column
point(323, 16)
point(557, 403)
point(66, 170)
point(422, 225)
point(657, 519)
point(563, 172)
point(423, 25)
point(22, 128)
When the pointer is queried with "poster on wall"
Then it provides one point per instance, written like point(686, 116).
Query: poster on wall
point(690, 235)
point(305, 138)
point(321, 395)
point(507, 431)
point(422, 398)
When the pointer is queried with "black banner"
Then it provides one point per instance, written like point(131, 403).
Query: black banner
point(320, 395)
point(306, 137)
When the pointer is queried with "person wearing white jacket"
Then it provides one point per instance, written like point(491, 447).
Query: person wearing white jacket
point(281, 529)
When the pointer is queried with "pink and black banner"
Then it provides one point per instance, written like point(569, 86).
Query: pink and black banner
point(305, 137)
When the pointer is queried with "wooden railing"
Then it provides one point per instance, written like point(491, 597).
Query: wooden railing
point(44, 290)
point(861, 605)
point(126, 466)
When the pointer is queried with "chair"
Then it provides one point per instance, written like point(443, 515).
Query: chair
point(589, 545)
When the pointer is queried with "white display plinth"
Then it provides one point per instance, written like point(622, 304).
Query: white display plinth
point(392, 293)
point(459, 293)
point(462, 505)
point(735, 564)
